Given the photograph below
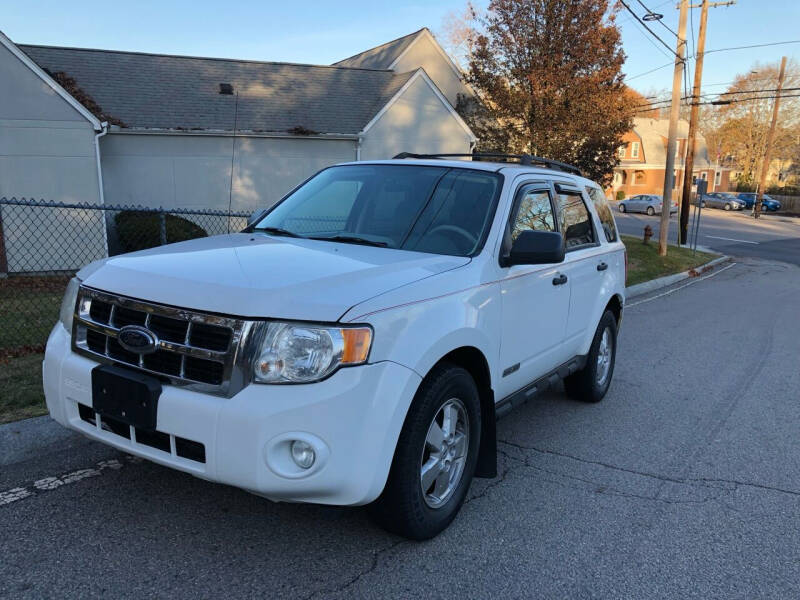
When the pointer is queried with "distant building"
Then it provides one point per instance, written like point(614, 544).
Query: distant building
point(643, 158)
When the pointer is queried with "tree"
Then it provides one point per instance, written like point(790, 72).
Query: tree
point(549, 82)
point(737, 132)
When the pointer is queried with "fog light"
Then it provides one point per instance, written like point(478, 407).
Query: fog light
point(303, 454)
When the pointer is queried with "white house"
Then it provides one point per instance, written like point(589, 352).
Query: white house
point(102, 126)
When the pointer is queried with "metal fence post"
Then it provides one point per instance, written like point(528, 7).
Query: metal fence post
point(162, 221)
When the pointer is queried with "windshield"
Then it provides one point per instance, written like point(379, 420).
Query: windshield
point(431, 209)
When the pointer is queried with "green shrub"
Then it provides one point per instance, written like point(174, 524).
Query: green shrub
point(620, 195)
point(140, 230)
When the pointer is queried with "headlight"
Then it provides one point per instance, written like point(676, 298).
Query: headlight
point(68, 304)
point(302, 353)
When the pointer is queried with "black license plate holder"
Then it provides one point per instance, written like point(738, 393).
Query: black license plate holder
point(126, 395)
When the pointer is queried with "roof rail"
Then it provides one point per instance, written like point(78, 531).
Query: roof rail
point(524, 159)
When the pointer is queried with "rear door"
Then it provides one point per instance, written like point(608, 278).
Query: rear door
point(535, 299)
point(583, 264)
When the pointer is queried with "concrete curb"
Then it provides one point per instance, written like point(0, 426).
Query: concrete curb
point(656, 284)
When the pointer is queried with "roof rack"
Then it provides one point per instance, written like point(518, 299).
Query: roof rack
point(524, 159)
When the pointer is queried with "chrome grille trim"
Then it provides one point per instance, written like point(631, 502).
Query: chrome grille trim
point(234, 360)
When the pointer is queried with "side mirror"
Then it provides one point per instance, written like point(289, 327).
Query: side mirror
point(537, 248)
point(255, 216)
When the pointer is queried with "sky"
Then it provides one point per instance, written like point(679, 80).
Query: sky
point(323, 32)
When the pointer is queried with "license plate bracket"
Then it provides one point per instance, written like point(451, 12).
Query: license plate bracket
point(126, 395)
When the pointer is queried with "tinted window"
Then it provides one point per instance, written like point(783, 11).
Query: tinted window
point(428, 209)
point(576, 224)
point(535, 212)
point(604, 212)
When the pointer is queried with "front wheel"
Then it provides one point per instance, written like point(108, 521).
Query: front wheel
point(435, 456)
point(650, 211)
point(622, 208)
point(727, 207)
point(591, 383)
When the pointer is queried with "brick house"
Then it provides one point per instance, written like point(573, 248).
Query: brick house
point(643, 159)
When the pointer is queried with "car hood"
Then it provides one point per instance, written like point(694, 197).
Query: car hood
point(256, 275)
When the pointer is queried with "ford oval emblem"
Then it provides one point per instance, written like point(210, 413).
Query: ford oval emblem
point(139, 340)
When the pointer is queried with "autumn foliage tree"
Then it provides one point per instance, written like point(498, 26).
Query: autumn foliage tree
point(549, 82)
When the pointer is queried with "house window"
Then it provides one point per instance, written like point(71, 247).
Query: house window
point(621, 152)
point(617, 178)
point(635, 150)
point(717, 178)
point(638, 178)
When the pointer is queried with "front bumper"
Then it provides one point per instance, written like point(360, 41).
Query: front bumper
point(353, 419)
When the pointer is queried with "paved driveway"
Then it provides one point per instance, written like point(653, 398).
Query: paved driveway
point(684, 482)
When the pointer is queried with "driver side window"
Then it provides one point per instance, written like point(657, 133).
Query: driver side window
point(535, 212)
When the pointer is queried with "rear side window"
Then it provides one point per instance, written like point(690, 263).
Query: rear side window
point(604, 212)
point(576, 224)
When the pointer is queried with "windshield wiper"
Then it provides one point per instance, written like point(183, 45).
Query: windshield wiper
point(279, 231)
point(350, 239)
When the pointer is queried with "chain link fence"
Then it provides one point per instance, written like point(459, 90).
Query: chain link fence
point(43, 244)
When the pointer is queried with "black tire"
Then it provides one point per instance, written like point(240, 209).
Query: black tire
point(727, 207)
point(650, 211)
point(401, 507)
point(584, 385)
point(622, 208)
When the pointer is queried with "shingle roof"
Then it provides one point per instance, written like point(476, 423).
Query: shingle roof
point(158, 91)
point(380, 57)
point(654, 133)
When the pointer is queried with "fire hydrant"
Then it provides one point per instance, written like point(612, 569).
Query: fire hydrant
point(648, 233)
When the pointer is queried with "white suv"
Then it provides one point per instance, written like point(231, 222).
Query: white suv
point(354, 344)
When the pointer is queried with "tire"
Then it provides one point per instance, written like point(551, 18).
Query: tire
point(587, 385)
point(403, 507)
point(650, 211)
point(621, 208)
point(702, 205)
point(727, 207)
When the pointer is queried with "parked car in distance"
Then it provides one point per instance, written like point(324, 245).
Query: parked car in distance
point(354, 344)
point(723, 200)
point(645, 203)
point(767, 202)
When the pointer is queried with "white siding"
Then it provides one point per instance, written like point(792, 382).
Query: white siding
point(193, 171)
point(46, 152)
point(423, 53)
point(417, 122)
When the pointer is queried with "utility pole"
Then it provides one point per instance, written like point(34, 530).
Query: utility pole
point(688, 175)
point(674, 113)
point(770, 138)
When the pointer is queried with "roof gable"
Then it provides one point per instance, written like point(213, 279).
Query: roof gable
point(154, 91)
point(383, 56)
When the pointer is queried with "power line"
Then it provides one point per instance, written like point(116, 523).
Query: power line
point(754, 46)
point(669, 64)
point(660, 21)
point(653, 33)
point(664, 103)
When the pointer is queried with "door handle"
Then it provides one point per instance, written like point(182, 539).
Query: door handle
point(560, 280)
point(602, 266)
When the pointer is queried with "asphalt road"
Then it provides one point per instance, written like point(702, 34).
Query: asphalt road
point(683, 482)
point(735, 233)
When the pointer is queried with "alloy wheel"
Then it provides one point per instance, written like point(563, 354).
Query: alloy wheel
point(444, 453)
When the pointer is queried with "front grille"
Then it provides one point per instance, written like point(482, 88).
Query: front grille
point(184, 448)
point(193, 348)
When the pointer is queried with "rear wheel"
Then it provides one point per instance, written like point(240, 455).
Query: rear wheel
point(622, 208)
point(591, 383)
point(650, 211)
point(435, 457)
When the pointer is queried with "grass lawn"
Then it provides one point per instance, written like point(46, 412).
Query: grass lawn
point(645, 264)
point(21, 384)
